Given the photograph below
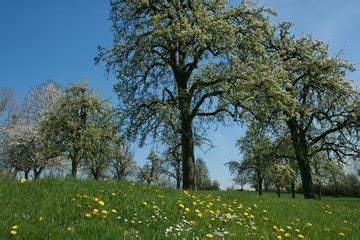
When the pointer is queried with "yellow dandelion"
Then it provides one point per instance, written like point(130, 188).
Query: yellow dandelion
point(101, 203)
point(96, 199)
point(301, 236)
point(95, 211)
point(13, 232)
point(287, 234)
point(187, 210)
point(87, 215)
point(145, 203)
point(309, 225)
point(281, 230)
point(104, 212)
point(297, 230)
point(113, 211)
point(41, 219)
point(192, 222)
point(289, 227)
point(342, 234)
point(181, 205)
point(279, 237)
point(113, 194)
point(209, 235)
point(23, 181)
point(14, 227)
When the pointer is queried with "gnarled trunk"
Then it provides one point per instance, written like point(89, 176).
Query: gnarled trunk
point(299, 146)
point(188, 159)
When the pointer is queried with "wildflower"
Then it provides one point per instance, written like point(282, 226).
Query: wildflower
point(209, 235)
point(281, 230)
point(101, 203)
point(14, 227)
point(197, 210)
point(155, 207)
point(239, 223)
point(255, 206)
point(96, 199)
point(309, 225)
point(275, 227)
point(41, 218)
point(301, 236)
point(113, 211)
point(70, 229)
point(104, 212)
point(192, 222)
point(297, 230)
point(264, 211)
point(23, 181)
point(342, 234)
point(13, 232)
point(95, 211)
point(114, 194)
point(266, 219)
point(181, 205)
point(187, 210)
point(145, 203)
point(287, 234)
point(289, 227)
point(87, 215)
point(199, 215)
point(279, 237)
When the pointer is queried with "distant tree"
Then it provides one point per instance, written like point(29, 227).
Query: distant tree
point(171, 58)
point(26, 148)
point(79, 125)
point(282, 175)
point(152, 169)
point(123, 164)
point(105, 139)
point(258, 155)
point(202, 174)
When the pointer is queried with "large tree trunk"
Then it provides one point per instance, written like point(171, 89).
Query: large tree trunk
point(188, 155)
point(74, 167)
point(299, 146)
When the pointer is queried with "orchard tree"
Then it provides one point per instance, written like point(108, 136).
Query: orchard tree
point(80, 126)
point(322, 114)
point(201, 174)
point(152, 169)
point(258, 154)
point(171, 59)
point(25, 144)
point(123, 165)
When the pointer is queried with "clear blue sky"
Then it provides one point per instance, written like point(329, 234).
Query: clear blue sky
point(58, 40)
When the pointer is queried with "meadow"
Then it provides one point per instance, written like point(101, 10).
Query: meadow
point(87, 209)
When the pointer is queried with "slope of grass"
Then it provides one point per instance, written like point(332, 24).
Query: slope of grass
point(74, 209)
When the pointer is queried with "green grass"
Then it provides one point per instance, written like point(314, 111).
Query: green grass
point(55, 209)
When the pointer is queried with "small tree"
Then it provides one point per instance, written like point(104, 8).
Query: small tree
point(152, 169)
point(123, 164)
point(77, 128)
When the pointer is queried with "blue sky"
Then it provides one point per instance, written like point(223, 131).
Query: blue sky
point(58, 40)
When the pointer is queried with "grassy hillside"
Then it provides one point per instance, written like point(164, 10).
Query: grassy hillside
point(74, 209)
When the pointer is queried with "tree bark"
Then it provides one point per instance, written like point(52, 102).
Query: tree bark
point(74, 167)
point(319, 190)
point(37, 172)
point(299, 146)
point(260, 183)
point(278, 191)
point(292, 189)
point(188, 155)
